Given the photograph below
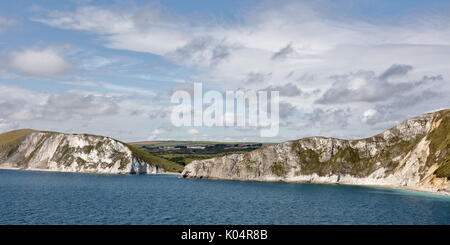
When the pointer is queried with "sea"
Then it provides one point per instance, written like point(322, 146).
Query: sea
point(36, 197)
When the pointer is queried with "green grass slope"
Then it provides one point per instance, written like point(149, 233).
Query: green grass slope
point(155, 160)
point(14, 137)
point(440, 144)
point(10, 140)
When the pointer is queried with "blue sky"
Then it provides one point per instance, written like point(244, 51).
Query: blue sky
point(109, 67)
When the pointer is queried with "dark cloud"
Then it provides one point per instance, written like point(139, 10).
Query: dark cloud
point(316, 91)
point(202, 52)
point(287, 90)
point(147, 17)
point(187, 87)
point(403, 101)
point(159, 113)
point(290, 74)
point(38, 106)
point(328, 118)
point(396, 71)
point(284, 52)
point(63, 106)
point(365, 86)
point(219, 53)
point(257, 78)
point(380, 116)
point(306, 78)
point(134, 113)
point(287, 110)
point(403, 107)
point(10, 107)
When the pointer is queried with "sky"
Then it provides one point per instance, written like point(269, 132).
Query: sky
point(344, 68)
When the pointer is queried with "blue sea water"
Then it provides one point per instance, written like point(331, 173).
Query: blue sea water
point(30, 197)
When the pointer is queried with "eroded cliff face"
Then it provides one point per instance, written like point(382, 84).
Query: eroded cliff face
point(73, 153)
point(415, 153)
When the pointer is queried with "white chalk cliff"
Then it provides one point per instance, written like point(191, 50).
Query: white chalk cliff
point(414, 154)
point(72, 153)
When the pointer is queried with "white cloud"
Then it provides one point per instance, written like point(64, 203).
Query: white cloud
point(7, 126)
point(65, 105)
point(289, 90)
point(40, 62)
point(142, 29)
point(94, 112)
point(297, 48)
point(19, 104)
point(193, 131)
point(157, 131)
point(155, 134)
point(293, 36)
point(202, 52)
point(365, 86)
point(369, 114)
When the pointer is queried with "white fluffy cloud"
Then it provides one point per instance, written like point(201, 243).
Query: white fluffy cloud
point(365, 86)
point(335, 69)
point(156, 133)
point(40, 62)
point(369, 115)
point(143, 29)
point(19, 104)
point(293, 36)
point(193, 131)
point(202, 52)
point(270, 42)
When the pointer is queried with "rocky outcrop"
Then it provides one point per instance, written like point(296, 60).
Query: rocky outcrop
point(73, 153)
point(414, 154)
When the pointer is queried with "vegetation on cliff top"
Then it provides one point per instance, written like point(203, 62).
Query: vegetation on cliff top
point(440, 144)
point(155, 160)
point(9, 141)
point(14, 137)
point(347, 160)
point(184, 152)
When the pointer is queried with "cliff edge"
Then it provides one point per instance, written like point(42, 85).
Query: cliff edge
point(39, 150)
point(414, 154)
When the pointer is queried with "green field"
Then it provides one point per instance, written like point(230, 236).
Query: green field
point(181, 152)
point(189, 143)
point(170, 155)
point(156, 160)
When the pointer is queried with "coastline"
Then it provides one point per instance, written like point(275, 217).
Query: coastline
point(392, 187)
point(62, 171)
point(403, 188)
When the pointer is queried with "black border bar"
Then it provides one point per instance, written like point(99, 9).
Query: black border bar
point(236, 234)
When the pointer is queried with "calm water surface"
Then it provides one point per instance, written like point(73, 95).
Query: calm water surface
point(29, 197)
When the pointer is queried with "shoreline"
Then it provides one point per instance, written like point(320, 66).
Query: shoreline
point(62, 171)
point(392, 187)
